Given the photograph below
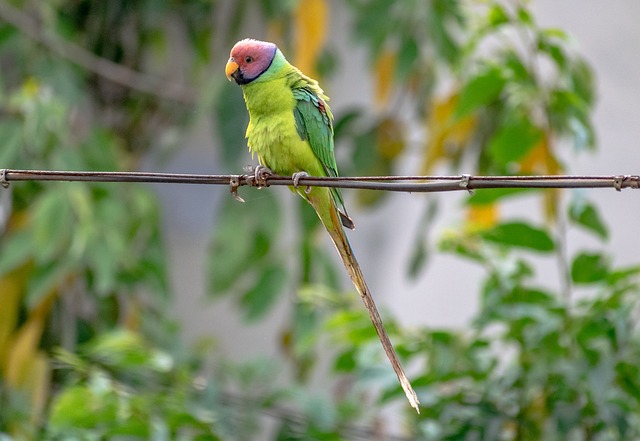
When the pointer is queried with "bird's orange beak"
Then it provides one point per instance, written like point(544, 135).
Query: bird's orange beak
point(231, 68)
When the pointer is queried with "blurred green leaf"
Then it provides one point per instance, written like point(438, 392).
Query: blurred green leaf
point(259, 300)
point(568, 114)
point(587, 216)
point(351, 327)
point(583, 81)
point(442, 23)
point(320, 411)
point(589, 268)
point(628, 375)
point(514, 139)
point(553, 49)
point(52, 217)
point(231, 122)
point(98, 152)
point(15, 250)
point(420, 253)
point(496, 16)
point(75, 407)
point(520, 234)
point(524, 16)
point(47, 277)
point(373, 23)
point(489, 196)
point(625, 275)
point(125, 350)
point(408, 56)
point(241, 240)
point(369, 159)
point(481, 90)
point(344, 125)
point(11, 135)
point(345, 362)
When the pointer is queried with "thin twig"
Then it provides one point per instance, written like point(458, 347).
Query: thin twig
point(103, 67)
point(411, 184)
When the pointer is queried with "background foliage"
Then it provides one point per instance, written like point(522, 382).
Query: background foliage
point(88, 349)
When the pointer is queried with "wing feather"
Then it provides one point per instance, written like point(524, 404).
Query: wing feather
point(314, 123)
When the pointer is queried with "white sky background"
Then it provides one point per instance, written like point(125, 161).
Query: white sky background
point(606, 33)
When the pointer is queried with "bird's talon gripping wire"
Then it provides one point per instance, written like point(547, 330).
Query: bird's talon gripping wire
point(296, 180)
point(260, 176)
point(234, 183)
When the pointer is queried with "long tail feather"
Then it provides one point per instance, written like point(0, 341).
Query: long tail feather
point(353, 268)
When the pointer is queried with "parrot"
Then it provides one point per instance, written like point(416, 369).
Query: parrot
point(290, 131)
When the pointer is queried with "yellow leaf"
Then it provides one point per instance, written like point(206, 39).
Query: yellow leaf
point(18, 220)
point(11, 287)
point(310, 20)
point(38, 373)
point(31, 87)
point(390, 138)
point(480, 217)
point(447, 136)
point(383, 71)
point(26, 340)
point(541, 161)
point(132, 317)
point(550, 201)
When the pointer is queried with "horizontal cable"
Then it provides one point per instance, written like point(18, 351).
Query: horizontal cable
point(411, 184)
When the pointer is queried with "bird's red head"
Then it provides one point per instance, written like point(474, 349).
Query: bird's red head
point(249, 59)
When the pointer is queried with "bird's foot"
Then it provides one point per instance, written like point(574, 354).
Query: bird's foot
point(260, 175)
point(296, 180)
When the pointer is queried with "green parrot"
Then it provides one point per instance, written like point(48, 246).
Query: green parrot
point(291, 132)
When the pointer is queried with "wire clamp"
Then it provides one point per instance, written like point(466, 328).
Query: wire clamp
point(464, 182)
point(3, 178)
point(617, 182)
point(234, 183)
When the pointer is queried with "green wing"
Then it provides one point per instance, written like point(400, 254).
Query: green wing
point(314, 123)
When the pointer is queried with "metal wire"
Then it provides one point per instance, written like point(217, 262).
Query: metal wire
point(411, 184)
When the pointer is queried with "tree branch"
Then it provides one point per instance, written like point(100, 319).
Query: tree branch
point(103, 67)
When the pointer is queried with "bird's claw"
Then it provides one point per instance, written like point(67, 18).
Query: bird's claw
point(260, 175)
point(296, 180)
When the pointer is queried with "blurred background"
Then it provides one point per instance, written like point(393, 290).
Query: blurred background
point(175, 312)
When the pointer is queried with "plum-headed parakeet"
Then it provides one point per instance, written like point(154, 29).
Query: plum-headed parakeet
point(291, 132)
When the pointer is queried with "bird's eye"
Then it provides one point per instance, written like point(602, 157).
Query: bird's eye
point(248, 59)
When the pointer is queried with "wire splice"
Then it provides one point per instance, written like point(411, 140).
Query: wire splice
point(617, 182)
point(234, 184)
point(464, 182)
point(3, 178)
